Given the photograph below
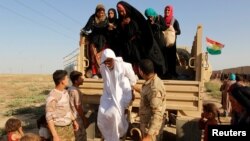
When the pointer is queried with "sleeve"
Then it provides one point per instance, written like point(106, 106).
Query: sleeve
point(156, 104)
point(88, 26)
point(74, 97)
point(202, 124)
point(129, 72)
point(177, 28)
point(50, 108)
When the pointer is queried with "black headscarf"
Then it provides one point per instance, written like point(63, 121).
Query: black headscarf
point(151, 48)
point(134, 14)
point(112, 20)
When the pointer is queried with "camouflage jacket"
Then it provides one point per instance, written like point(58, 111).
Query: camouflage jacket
point(152, 106)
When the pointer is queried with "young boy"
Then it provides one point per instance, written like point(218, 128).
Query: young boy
point(58, 111)
point(76, 104)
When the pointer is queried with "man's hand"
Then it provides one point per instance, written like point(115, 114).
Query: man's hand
point(75, 125)
point(137, 88)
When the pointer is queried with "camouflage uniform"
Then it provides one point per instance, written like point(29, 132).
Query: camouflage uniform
point(59, 111)
point(152, 108)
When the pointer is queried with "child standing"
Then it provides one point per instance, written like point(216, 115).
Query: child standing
point(14, 129)
point(208, 117)
point(42, 125)
point(77, 105)
point(58, 111)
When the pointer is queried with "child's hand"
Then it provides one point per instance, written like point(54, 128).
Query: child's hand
point(85, 123)
point(20, 130)
point(56, 138)
point(75, 125)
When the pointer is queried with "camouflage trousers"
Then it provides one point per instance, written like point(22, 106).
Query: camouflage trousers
point(65, 133)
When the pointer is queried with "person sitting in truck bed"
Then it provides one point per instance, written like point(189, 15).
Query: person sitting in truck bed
point(96, 29)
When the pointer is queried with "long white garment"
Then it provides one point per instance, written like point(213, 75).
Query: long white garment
point(116, 97)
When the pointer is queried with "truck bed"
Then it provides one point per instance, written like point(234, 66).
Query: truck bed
point(181, 95)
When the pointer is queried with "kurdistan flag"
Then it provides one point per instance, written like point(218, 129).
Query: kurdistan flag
point(213, 47)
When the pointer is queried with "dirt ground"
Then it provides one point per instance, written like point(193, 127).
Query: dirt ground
point(23, 97)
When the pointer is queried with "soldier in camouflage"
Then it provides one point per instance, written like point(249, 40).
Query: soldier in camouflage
point(153, 103)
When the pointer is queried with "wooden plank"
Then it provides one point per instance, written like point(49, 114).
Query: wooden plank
point(178, 96)
point(173, 106)
point(91, 92)
point(185, 98)
point(92, 85)
point(137, 95)
point(169, 88)
point(182, 88)
point(178, 82)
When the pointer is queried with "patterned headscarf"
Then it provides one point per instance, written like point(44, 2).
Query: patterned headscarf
point(169, 18)
point(99, 7)
point(100, 20)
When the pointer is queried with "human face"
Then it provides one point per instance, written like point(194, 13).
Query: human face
point(121, 10)
point(65, 81)
point(209, 115)
point(100, 13)
point(167, 11)
point(109, 62)
point(111, 14)
point(151, 18)
point(80, 80)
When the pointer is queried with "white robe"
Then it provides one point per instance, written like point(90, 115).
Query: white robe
point(117, 94)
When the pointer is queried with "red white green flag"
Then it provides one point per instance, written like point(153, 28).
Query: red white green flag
point(213, 47)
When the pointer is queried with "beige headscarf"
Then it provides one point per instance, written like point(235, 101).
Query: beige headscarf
point(100, 7)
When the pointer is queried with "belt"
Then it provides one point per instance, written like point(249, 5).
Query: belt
point(63, 125)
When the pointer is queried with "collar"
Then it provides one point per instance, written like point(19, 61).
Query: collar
point(64, 91)
point(151, 79)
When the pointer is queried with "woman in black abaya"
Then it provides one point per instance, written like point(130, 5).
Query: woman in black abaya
point(136, 38)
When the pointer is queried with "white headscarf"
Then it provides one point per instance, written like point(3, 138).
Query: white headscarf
point(108, 53)
point(111, 84)
point(116, 96)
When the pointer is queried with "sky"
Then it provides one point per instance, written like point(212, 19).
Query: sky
point(35, 35)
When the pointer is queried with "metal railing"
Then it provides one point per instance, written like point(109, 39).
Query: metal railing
point(70, 61)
